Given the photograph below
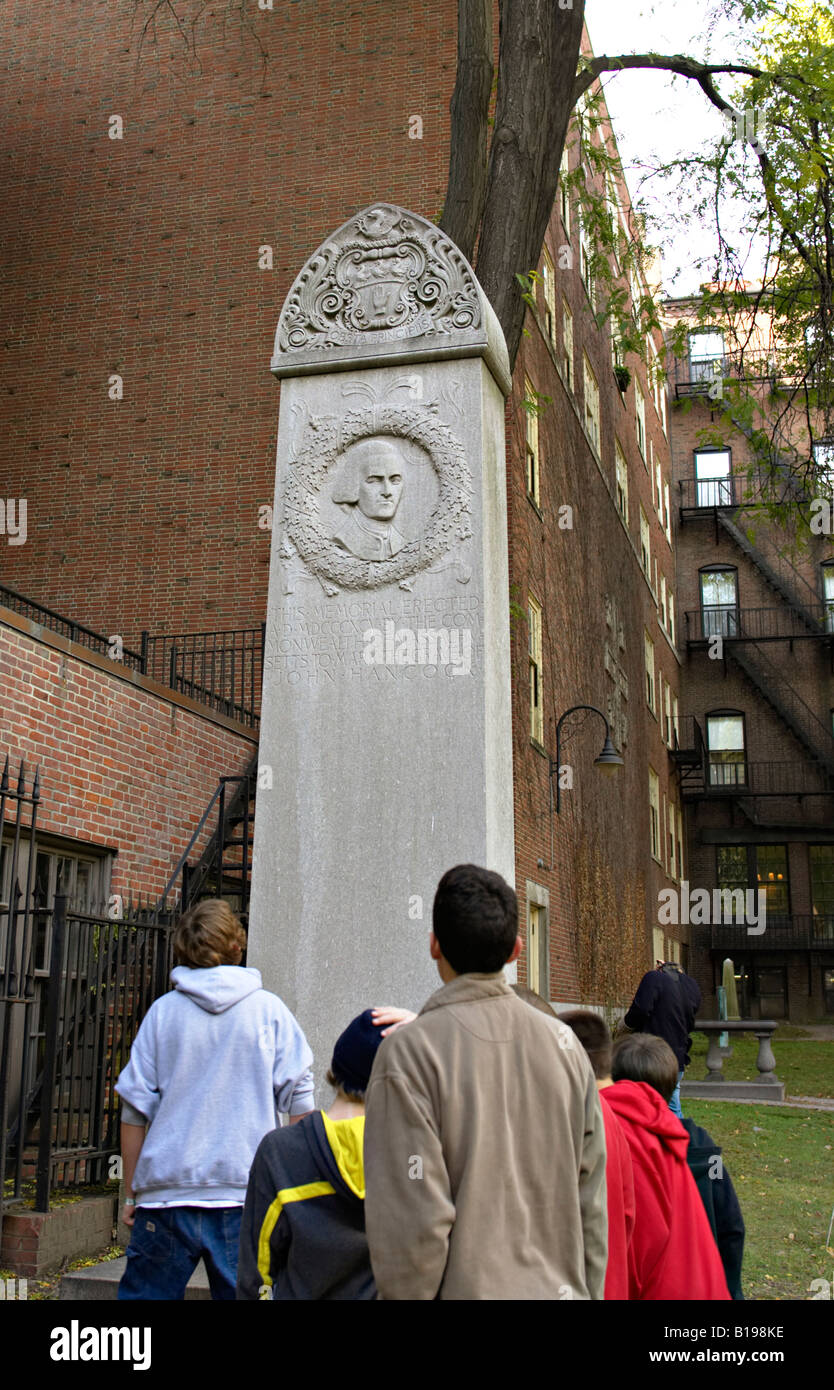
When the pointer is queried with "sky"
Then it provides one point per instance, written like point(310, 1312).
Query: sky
point(659, 114)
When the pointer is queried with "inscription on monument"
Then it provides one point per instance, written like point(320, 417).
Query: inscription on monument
point(322, 642)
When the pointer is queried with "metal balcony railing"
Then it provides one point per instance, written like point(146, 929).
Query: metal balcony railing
point(758, 624)
point(765, 779)
point(784, 932)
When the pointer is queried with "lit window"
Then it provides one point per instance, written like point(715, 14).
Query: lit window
point(668, 513)
point(664, 616)
point(534, 619)
point(532, 445)
point(591, 404)
point(567, 335)
point(659, 480)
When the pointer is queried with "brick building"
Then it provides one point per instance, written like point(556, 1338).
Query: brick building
point(755, 738)
point(158, 214)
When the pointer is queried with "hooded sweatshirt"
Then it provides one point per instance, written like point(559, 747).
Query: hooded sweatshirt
point(210, 1063)
point(303, 1229)
point(673, 1254)
point(619, 1182)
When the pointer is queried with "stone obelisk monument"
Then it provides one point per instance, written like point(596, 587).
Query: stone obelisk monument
point(386, 720)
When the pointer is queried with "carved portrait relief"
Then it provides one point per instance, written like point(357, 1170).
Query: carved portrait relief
point(376, 497)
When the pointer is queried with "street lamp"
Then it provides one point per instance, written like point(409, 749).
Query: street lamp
point(609, 760)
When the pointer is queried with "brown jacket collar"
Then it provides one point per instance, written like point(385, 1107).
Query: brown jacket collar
point(465, 988)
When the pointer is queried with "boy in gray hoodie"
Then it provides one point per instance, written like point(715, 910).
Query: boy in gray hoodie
point(212, 1062)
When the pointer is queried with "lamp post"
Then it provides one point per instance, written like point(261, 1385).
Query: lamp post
point(608, 760)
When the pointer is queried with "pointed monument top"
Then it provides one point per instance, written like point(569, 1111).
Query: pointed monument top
point(385, 288)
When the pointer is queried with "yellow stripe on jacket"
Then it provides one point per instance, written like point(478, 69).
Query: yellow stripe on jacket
point(287, 1194)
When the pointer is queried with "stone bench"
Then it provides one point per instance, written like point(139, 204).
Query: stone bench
point(715, 1085)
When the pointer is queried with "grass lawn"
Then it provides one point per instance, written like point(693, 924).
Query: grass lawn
point(805, 1065)
point(782, 1166)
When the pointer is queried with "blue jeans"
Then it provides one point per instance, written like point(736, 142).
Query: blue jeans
point(675, 1101)
point(166, 1244)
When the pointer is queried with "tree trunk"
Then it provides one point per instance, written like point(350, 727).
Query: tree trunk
point(469, 109)
point(538, 57)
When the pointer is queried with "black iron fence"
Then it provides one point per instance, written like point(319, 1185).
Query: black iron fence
point(222, 670)
point(68, 1013)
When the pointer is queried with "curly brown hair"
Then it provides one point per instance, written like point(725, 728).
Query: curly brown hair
point(209, 934)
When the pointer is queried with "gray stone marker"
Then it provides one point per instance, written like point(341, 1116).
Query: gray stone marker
point(386, 718)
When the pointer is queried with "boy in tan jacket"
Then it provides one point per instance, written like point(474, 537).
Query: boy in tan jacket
point(484, 1139)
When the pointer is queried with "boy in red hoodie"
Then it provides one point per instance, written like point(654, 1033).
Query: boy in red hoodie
point(592, 1032)
point(673, 1254)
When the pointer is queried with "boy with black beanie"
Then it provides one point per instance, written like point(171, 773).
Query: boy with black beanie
point(303, 1229)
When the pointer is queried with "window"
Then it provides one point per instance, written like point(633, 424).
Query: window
point(706, 354)
point(667, 714)
point(613, 204)
point(591, 403)
point(640, 407)
point(673, 858)
point(76, 870)
point(537, 950)
point(585, 258)
point(725, 745)
point(668, 513)
point(719, 602)
point(654, 814)
point(622, 483)
point(756, 866)
point(658, 944)
point(534, 619)
point(822, 889)
point(532, 430)
point(664, 615)
point(650, 673)
point(645, 546)
point(659, 479)
point(564, 195)
point(713, 480)
point(681, 870)
point(567, 336)
point(824, 466)
point(828, 593)
point(672, 617)
point(549, 287)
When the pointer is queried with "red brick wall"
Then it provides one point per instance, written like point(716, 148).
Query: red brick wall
point(121, 768)
point(139, 257)
point(570, 572)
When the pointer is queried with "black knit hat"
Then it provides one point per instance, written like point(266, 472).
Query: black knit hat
point(353, 1055)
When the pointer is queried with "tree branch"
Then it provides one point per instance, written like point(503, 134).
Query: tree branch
point(676, 62)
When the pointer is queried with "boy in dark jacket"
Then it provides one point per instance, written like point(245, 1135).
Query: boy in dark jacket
point(665, 1005)
point(303, 1229)
point(720, 1202)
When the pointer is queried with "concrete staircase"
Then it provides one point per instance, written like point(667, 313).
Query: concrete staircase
point(100, 1283)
